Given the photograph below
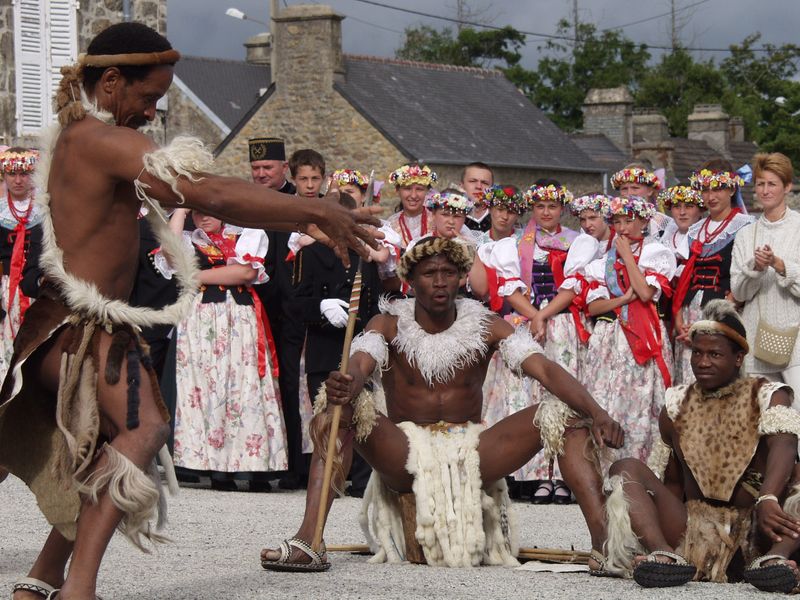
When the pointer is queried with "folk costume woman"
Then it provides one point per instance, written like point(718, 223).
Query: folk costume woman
point(629, 339)
point(412, 220)
point(707, 253)
point(19, 215)
point(228, 417)
point(637, 180)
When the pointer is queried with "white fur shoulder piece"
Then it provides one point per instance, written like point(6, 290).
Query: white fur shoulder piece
point(673, 398)
point(766, 391)
point(439, 355)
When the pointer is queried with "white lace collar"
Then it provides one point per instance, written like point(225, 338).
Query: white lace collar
point(438, 356)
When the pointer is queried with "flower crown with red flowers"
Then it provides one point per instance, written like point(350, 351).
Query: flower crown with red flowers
point(351, 176)
point(633, 206)
point(706, 179)
point(543, 193)
point(680, 193)
point(596, 202)
point(506, 196)
point(635, 175)
point(411, 174)
point(18, 162)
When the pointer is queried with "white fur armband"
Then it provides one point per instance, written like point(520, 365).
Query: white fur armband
point(183, 157)
point(374, 344)
point(517, 347)
point(779, 419)
point(659, 458)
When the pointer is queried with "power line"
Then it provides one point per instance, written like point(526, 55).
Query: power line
point(373, 24)
point(653, 18)
point(530, 33)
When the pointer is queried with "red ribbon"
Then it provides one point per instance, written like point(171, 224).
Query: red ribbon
point(643, 326)
point(495, 282)
point(265, 338)
point(579, 305)
point(18, 262)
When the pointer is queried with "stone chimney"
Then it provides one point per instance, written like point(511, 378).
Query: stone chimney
point(736, 129)
point(610, 111)
point(259, 49)
point(649, 125)
point(308, 50)
point(709, 123)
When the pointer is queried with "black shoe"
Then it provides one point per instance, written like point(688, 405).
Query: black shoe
point(355, 491)
point(561, 493)
point(543, 494)
point(258, 486)
point(290, 482)
point(513, 488)
point(224, 485)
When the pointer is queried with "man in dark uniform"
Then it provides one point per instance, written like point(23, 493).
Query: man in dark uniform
point(475, 179)
point(322, 298)
point(269, 167)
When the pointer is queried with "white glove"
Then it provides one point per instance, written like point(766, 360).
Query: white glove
point(335, 311)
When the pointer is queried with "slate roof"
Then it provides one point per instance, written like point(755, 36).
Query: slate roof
point(602, 150)
point(454, 115)
point(229, 88)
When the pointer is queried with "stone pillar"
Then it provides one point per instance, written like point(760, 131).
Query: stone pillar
point(610, 111)
point(8, 85)
point(709, 123)
point(736, 129)
point(649, 126)
point(308, 50)
point(259, 49)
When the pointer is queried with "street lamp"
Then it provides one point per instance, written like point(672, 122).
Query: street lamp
point(237, 14)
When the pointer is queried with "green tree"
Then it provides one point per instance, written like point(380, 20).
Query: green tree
point(676, 84)
point(563, 78)
point(469, 48)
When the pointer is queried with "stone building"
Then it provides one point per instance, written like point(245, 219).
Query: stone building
point(615, 133)
point(373, 113)
point(37, 38)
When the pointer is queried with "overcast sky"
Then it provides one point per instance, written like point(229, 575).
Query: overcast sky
point(201, 28)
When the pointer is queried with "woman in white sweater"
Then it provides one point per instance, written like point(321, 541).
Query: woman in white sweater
point(765, 273)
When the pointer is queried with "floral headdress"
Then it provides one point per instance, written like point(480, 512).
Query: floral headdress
point(449, 200)
point(631, 205)
point(542, 193)
point(680, 193)
point(596, 202)
point(411, 174)
point(351, 176)
point(635, 175)
point(706, 179)
point(18, 162)
point(506, 196)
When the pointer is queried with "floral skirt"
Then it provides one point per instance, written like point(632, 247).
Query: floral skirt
point(8, 328)
point(632, 394)
point(227, 418)
point(682, 373)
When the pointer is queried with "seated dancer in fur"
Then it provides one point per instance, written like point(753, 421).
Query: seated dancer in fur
point(81, 419)
point(431, 353)
point(716, 494)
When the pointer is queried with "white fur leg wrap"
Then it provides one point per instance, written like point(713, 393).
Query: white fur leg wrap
point(459, 524)
point(517, 347)
point(551, 418)
point(791, 505)
point(132, 491)
point(659, 457)
point(365, 413)
point(622, 544)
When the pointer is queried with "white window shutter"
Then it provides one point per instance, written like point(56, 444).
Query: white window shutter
point(29, 51)
point(62, 45)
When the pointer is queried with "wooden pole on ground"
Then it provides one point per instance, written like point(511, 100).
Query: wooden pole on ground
point(355, 298)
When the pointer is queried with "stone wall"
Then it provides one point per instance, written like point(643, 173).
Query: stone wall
point(185, 118)
point(96, 15)
point(8, 105)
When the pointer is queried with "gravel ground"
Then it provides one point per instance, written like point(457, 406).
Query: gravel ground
point(217, 538)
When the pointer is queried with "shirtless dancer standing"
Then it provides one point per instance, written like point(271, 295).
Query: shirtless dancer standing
point(433, 351)
point(80, 415)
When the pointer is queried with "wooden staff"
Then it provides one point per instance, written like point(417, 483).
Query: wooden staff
point(355, 299)
point(555, 555)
